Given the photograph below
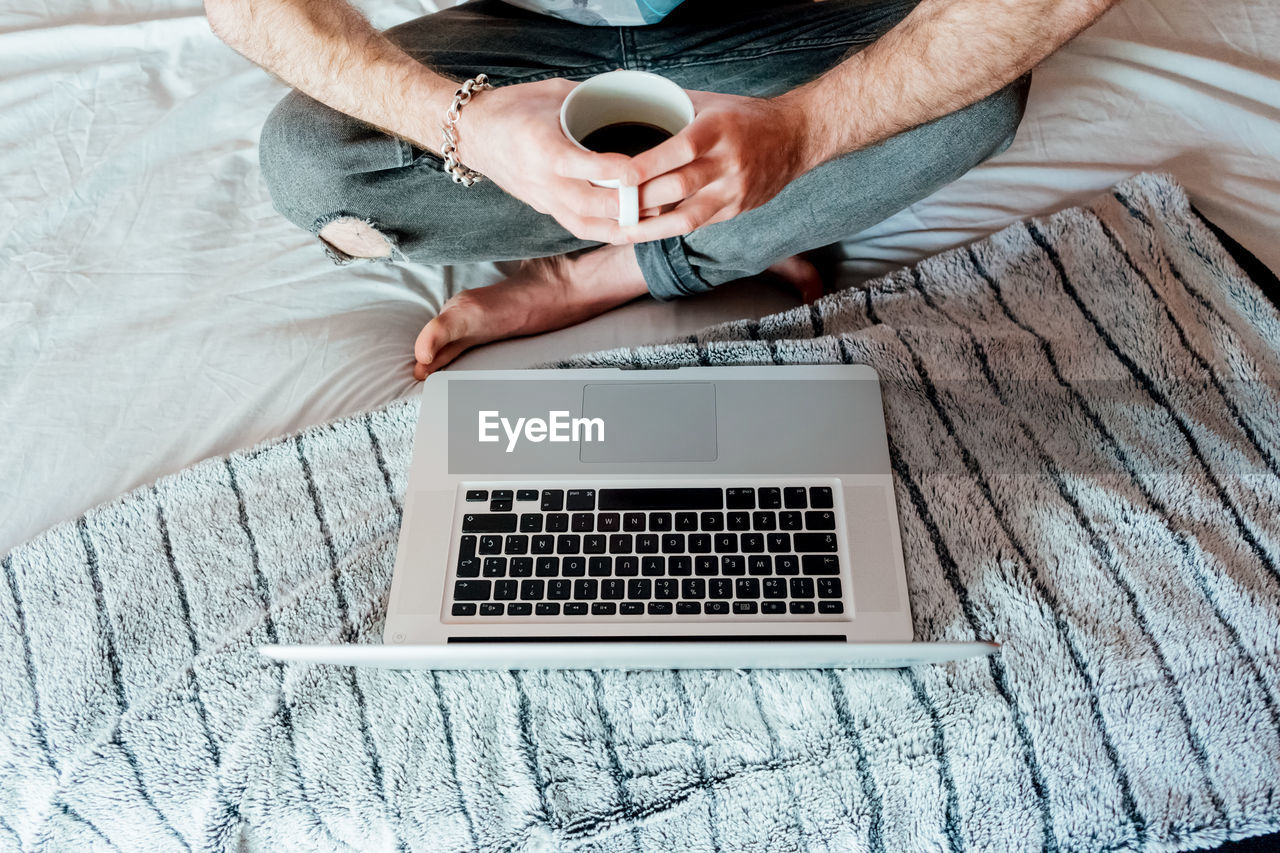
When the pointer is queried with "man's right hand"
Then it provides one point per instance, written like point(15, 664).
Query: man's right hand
point(512, 136)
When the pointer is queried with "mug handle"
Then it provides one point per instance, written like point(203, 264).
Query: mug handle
point(628, 205)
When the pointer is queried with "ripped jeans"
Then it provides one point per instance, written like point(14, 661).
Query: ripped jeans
point(322, 165)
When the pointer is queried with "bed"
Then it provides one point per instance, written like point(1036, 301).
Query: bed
point(155, 311)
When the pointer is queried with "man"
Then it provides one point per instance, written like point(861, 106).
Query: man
point(814, 121)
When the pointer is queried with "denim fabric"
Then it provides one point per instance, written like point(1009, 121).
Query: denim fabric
point(322, 165)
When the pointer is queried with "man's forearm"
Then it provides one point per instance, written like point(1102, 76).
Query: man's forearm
point(326, 49)
point(945, 55)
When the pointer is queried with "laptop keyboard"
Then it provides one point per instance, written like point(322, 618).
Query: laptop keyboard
point(745, 551)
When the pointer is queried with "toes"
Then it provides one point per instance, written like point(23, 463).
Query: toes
point(449, 325)
point(442, 358)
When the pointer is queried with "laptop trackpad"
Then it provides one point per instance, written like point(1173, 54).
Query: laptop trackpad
point(652, 422)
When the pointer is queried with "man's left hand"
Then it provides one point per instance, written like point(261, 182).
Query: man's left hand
point(735, 155)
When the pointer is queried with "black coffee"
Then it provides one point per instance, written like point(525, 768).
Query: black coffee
point(625, 137)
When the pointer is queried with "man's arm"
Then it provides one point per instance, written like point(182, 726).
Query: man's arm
point(946, 54)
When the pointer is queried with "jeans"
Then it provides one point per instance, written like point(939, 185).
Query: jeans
point(322, 165)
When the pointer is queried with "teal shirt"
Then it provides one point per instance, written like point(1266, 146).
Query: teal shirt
point(603, 13)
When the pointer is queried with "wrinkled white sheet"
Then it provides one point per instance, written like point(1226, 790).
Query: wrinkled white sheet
point(155, 311)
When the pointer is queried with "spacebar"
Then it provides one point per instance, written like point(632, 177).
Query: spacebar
point(661, 499)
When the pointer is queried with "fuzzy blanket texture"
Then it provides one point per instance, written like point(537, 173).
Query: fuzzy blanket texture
point(1084, 415)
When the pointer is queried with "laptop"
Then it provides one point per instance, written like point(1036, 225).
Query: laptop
point(696, 517)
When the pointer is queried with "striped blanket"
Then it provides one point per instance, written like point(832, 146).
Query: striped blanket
point(1084, 415)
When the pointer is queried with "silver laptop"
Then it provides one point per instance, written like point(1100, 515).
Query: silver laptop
point(701, 517)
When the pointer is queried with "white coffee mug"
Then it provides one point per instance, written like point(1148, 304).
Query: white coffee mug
point(624, 96)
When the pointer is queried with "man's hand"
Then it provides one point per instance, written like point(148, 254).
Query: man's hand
point(512, 136)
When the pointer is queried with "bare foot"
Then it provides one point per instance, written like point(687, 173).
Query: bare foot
point(542, 295)
point(800, 274)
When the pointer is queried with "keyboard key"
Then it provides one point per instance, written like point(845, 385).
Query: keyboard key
point(625, 567)
point(688, 608)
point(552, 500)
point(621, 543)
point(820, 564)
point(639, 589)
point(830, 607)
point(604, 608)
point(679, 567)
point(660, 499)
point(700, 543)
point(773, 607)
point(693, 588)
point(801, 588)
point(726, 543)
point(666, 588)
point(519, 608)
point(778, 542)
point(660, 608)
point(739, 521)
point(721, 587)
point(612, 589)
point(491, 608)
point(475, 495)
point(716, 608)
point(527, 495)
point(706, 566)
point(820, 497)
point(786, 564)
point(568, 543)
point(686, 521)
point(660, 522)
point(795, 497)
point(600, 567)
point(594, 543)
point(502, 495)
point(573, 567)
point(532, 590)
point(464, 609)
point(820, 520)
point(472, 590)
point(505, 590)
point(499, 506)
point(608, 522)
point(495, 567)
point(814, 542)
point(746, 588)
point(647, 543)
point(575, 608)
point(769, 498)
point(583, 522)
point(490, 545)
point(559, 589)
point(469, 568)
point(790, 520)
point(633, 522)
point(544, 544)
point(673, 543)
point(739, 498)
point(712, 521)
point(466, 547)
point(733, 564)
point(557, 522)
point(764, 520)
point(547, 567)
point(829, 588)
point(752, 543)
point(586, 589)
point(520, 567)
point(531, 522)
point(653, 567)
point(580, 499)
point(744, 608)
point(517, 543)
point(547, 608)
point(760, 564)
point(774, 588)
point(630, 608)
point(801, 607)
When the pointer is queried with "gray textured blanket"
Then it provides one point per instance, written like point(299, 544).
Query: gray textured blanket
point(1084, 415)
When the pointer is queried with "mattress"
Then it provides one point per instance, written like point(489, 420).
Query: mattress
point(154, 310)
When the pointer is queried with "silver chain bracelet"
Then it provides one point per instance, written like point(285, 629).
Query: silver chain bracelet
point(461, 174)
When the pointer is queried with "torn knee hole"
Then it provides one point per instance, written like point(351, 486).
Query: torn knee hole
point(355, 238)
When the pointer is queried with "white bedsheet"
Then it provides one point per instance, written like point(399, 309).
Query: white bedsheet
point(155, 311)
